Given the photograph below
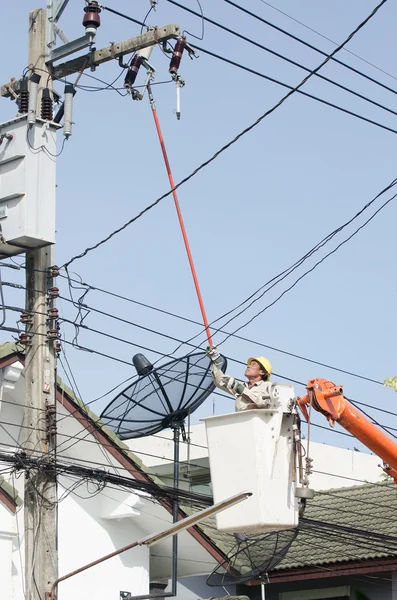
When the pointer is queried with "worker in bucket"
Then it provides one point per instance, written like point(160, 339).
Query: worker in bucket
point(257, 392)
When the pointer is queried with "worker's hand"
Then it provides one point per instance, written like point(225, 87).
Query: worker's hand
point(251, 406)
point(235, 387)
point(213, 354)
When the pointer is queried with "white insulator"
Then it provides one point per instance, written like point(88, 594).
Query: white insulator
point(33, 93)
point(178, 101)
point(68, 110)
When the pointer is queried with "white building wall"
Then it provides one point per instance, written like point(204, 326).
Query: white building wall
point(85, 535)
point(90, 526)
point(6, 539)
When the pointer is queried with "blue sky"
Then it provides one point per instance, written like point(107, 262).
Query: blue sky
point(261, 205)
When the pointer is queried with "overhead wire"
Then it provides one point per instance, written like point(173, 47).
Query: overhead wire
point(283, 57)
point(336, 431)
point(202, 24)
point(292, 89)
point(241, 362)
point(230, 143)
point(133, 451)
point(311, 46)
point(286, 272)
point(328, 39)
point(124, 16)
point(311, 269)
point(25, 462)
point(186, 319)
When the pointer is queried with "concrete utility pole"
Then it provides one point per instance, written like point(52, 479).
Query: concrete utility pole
point(40, 504)
point(41, 495)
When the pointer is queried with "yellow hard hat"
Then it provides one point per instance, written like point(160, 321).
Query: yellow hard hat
point(264, 362)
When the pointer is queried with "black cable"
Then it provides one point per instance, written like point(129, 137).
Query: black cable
point(385, 428)
point(328, 39)
point(292, 89)
point(117, 338)
point(301, 41)
point(331, 430)
point(286, 272)
point(323, 568)
point(228, 357)
point(282, 57)
point(43, 147)
point(119, 14)
point(188, 320)
point(310, 270)
point(26, 462)
point(202, 24)
point(41, 455)
point(233, 141)
point(146, 16)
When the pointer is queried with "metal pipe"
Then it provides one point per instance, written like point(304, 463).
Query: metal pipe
point(175, 513)
point(154, 538)
point(263, 590)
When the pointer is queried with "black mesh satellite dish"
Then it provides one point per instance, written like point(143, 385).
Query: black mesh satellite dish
point(162, 397)
point(252, 557)
point(159, 399)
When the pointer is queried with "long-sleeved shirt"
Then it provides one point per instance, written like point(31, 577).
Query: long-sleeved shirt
point(263, 394)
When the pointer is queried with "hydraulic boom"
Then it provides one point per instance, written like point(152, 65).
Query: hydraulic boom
point(328, 399)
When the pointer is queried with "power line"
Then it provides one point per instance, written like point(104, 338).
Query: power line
point(21, 461)
point(286, 272)
point(292, 89)
point(329, 40)
point(221, 330)
point(312, 269)
point(124, 16)
point(233, 141)
point(281, 56)
point(86, 307)
point(301, 41)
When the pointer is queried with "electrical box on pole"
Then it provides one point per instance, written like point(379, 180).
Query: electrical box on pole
point(27, 184)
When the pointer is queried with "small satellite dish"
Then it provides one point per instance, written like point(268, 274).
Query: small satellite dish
point(252, 557)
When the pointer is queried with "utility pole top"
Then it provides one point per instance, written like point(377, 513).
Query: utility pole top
point(116, 50)
point(97, 57)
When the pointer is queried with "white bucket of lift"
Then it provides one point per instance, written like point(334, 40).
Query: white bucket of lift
point(252, 451)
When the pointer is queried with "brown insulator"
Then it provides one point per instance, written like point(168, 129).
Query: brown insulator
point(53, 313)
point(25, 339)
point(23, 99)
point(46, 105)
point(57, 346)
point(177, 55)
point(53, 292)
point(26, 318)
point(91, 17)
point(54, 271)
point(52, 334)
point(132, 72)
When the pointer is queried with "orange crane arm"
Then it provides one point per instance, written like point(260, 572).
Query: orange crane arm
point(328, 399)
